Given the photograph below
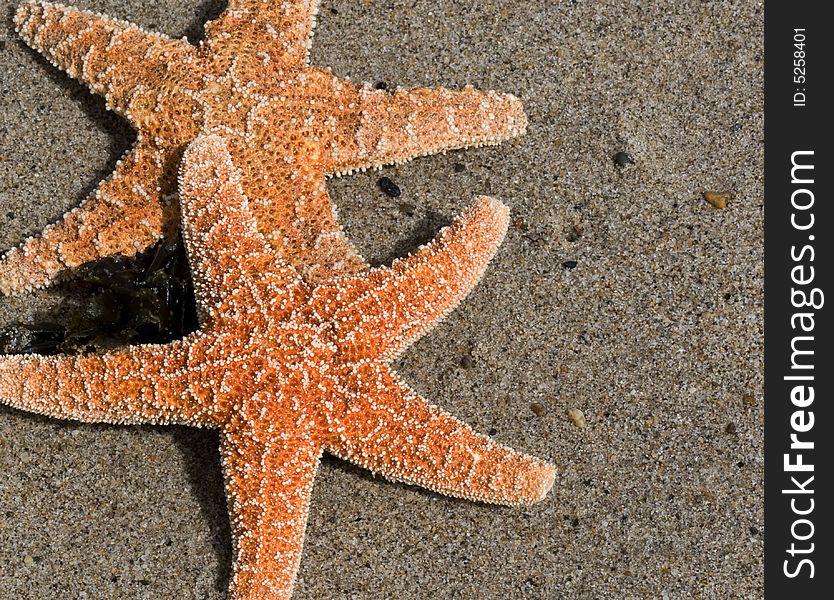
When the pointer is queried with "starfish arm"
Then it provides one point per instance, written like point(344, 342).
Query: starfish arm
point(269, 478)
point(233, 267)
point(388, 428)
point(127, 213)
point(395, 127)
point(281, 30)
point(116, 59)
point(146, 384)
point(292, 207)
point(314, 243)
point(379, 314)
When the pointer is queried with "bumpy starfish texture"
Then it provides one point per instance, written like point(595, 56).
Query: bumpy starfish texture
point(288, 125)
point(286, 370)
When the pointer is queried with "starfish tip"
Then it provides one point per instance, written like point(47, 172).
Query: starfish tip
point(21, 15)
point(546, 483)
point(491, 213)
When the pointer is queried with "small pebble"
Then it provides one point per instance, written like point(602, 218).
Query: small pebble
point(622, 159)
point(575, 233)
point(388, 187)
point(749, 400)
point(718, 199)
point(466, 361)
point(28, 560)
point(407, 209)
point(459, 167)
point(2, 44)
point(519, 223)
point(493, 431)
point(380, 85)
point(730, 428)
point(569, 264)
point(537, 408)
point(577, 417)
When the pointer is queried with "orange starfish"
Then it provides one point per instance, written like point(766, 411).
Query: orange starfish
point(286, 370)
point(289, 125)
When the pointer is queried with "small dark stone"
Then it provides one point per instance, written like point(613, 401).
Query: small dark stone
point(537, 408)
point(380, 85)
point(10, 215)
point(519, 223)
point(575, 233)
point(622, 159)
point(730, 428)
point(334, 11)
point(2, 44)
point(466, 361)
point(754, 530)
point(575, 522)
point(740, 464)
point(407, 208)
point(492, 431)
point(388, 187)
point(569, 264)
point(459, 167)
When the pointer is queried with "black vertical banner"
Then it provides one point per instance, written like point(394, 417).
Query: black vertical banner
point(799, 561)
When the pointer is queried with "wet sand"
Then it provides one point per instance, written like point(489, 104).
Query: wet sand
point(619, 291)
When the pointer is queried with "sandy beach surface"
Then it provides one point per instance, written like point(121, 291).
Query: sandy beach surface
point(618, 292)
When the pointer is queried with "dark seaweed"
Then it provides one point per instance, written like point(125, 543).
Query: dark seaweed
point(144, 299)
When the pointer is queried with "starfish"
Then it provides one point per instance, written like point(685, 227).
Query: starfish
point(286, 370)
point(288, 124)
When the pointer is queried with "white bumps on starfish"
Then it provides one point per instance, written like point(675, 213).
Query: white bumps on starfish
point(286, 371)
point(288, 126)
